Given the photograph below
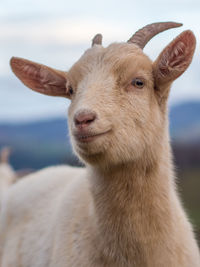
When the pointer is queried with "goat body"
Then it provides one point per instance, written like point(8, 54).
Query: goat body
point(7, 174)
point(123, 208)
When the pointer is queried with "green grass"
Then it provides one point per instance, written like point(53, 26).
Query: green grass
point(189, 188)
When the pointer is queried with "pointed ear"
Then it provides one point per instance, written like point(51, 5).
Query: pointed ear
point(40, 78)
point(173, 61)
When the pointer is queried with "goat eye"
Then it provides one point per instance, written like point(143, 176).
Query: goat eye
point(137, 82)
point(70, 90)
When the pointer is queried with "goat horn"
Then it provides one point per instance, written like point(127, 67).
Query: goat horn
point(97, 39)
point(144, 35)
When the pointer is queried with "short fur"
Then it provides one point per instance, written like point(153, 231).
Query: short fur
point(123, 209)
point(7, 174)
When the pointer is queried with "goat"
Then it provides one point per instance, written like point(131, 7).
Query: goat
point(123, 208)
point(7, 174)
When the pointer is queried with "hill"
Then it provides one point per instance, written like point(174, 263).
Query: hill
point(185, 122)
point(38, 144)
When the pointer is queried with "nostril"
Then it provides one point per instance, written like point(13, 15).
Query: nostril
point(84, 118)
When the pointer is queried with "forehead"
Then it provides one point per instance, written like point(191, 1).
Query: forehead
point(116, 58)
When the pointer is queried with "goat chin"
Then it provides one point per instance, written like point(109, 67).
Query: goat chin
point(123, 208)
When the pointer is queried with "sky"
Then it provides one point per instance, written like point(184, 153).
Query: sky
point(56, 33)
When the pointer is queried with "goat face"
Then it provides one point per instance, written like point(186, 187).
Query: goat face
point(114, 114)
point(118, 96)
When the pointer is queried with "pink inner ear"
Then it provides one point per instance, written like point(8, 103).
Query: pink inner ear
point(176, 57)
point(31, 71)
point(178, 54)
point(173, 59)
point(39, 77)
point(27, 72)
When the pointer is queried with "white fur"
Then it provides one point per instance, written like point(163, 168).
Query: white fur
point(7, 174)
point(7, 177)
point(122, 210)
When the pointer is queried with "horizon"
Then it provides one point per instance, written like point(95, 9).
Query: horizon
point(64, 115)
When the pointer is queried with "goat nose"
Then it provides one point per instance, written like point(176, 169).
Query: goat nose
point(84, 118)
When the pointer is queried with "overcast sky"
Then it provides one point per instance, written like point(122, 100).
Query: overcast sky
point(57, 32)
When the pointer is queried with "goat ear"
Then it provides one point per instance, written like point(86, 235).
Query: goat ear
point(173, 61)
point(40, 78)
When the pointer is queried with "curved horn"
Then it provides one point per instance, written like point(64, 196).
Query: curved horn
point(97, 39)
point(144, 35)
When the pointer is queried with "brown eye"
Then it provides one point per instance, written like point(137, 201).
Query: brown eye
point(137, 82)
point(70, 90)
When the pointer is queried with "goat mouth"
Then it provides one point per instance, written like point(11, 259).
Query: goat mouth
point(88, 137)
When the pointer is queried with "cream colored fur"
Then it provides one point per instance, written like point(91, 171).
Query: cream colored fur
point(7, 174)
point(123, 209)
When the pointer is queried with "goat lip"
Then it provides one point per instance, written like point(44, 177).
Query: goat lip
point(88, 137)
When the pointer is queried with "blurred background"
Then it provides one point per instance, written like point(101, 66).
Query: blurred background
point(56, 33)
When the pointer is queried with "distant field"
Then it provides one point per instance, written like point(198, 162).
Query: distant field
point(189, 188)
